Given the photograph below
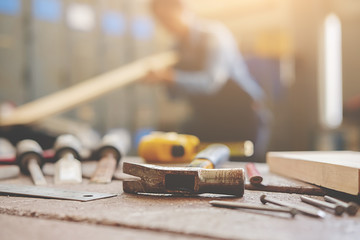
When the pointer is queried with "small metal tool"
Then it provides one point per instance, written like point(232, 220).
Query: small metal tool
point(56, 193)
point(339, 210)
point(68, 167)
point(30, 160)
point(195, 179)
point(113, 147)
point(308, 190)
point(253, 174)
point(351, 207)
point(291, 211)
point(311, 212)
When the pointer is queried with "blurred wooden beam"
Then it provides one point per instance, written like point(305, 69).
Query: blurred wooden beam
point(87, 90)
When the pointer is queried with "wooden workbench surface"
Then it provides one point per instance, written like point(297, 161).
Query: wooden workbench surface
point(129, 216)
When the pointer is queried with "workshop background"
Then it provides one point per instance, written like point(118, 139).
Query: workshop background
point(305, 54)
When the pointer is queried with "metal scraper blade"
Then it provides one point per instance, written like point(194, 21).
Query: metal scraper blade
point(45, 192)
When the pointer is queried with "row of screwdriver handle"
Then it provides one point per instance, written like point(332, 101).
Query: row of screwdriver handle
point(29, 152)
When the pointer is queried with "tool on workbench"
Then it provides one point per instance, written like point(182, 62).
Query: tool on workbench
point(113, 147)
point(238, 150)
point(308, 190)
point(351, 207)
point(307, 211)
point(253, 174)
point(67, 167)
point(8, 153)
point(56, 193)
point(291, 211)
point(256, 184)
point(7, 156)
point(211, 157)
point(195, 179)
point(338, 209)
point(168, 147)
point(29, 157)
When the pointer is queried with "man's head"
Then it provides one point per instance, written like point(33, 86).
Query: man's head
point(173, 14)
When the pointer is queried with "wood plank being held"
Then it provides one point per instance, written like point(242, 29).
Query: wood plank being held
point(336, 170)
point(87, 90)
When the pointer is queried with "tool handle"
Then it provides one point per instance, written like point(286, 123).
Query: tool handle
point(7, 150)
point(253, 174)
point(214, 154)
point(25, 151)
point(116, 143)
point(222, 181)
point(67, 143)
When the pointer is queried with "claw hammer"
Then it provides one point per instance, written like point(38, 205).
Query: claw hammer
point(199, 177)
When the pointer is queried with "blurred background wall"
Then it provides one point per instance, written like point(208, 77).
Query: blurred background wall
point(47, 45)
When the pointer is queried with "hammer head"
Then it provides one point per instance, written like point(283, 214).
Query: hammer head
point(183, 180)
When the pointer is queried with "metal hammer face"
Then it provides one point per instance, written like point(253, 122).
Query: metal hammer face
point(183, 180)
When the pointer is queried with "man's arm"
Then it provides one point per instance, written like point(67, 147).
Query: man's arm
point(240, 73)
point(211, 78)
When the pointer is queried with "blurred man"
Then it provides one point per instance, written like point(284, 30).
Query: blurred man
point(227, 102)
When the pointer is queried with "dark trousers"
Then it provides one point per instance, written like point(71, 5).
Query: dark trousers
point(229, 116)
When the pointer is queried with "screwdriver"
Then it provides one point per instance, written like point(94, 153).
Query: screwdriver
point(253, 174)
point(113, 147)
point(29, 158)
point(68, 167)
point(211, 157)
point(7, 156)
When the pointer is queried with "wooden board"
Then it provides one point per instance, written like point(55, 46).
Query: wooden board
point(87, 90)
point(337, 170)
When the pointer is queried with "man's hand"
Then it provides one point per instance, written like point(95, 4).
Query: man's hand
point(160, 76)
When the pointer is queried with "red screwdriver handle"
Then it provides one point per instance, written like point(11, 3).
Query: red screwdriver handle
point(253, 174)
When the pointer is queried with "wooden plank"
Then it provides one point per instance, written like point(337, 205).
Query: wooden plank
point(87, 90)
point(337, 170)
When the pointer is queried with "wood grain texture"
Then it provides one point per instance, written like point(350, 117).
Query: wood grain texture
point(87, 90)
point(173, 217)
point(334, 170)
point(15, 228)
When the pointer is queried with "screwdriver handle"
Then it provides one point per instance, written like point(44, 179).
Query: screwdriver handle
point(116, 143)
point(254, 176)
point(211, 157)
point(67, 143)
point(26, 150)
point(7, 150)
